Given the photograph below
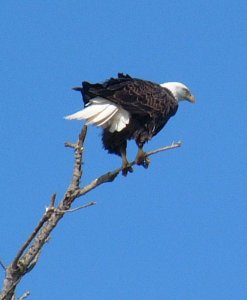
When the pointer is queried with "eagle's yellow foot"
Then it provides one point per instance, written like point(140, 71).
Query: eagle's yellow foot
point(126, 168)
point(141, 159)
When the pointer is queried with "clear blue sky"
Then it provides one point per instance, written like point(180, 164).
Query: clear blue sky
point(174, 231)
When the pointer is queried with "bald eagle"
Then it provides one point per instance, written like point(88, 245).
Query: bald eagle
point(129, 108)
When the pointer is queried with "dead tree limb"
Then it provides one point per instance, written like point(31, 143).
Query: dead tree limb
point(29, 253)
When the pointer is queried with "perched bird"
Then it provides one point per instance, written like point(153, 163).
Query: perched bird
point(129, 108)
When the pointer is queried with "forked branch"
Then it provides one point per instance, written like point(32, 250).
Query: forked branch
point(30, 251)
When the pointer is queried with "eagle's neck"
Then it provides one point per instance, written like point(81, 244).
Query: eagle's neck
point(175, 88)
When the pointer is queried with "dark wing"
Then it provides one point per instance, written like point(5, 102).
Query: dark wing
point(139, 97)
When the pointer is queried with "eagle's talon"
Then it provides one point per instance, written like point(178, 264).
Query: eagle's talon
point(146, 163)
point(126, 169)
point(143, 161)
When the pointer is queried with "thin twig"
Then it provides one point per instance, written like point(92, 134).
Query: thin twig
point(70, 145)
point(82, 135)
point(79, 207)
point(53, 199)
point(172, 146)
point(24, 296)
point(77, 172)
point(2, 265)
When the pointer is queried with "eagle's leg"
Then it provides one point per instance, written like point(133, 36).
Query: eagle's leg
point(126, 166)
point(141, 158)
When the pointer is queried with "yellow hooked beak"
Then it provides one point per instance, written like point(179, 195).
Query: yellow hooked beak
point(191, 98)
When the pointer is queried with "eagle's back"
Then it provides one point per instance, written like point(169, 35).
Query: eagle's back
point(139, 97)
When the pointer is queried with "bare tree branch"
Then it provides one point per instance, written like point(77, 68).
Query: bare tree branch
point(29, 240)
point(29, 253)
point(110, 176)
point(53, 199)
point(2, 265)
point(25, 261)
point(80, 207)
point(24, 296)
point(172, 146)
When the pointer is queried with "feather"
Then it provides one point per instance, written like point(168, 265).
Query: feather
point(103, 113)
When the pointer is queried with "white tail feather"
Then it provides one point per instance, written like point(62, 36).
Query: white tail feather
point(76, 116)
point(102, 112)
point(119, 121)
point(106, 112)
point(104, 122)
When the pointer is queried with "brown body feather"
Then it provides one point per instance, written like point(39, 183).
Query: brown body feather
point(150, 107)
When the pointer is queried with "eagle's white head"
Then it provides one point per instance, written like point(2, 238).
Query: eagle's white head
point(179, 91)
